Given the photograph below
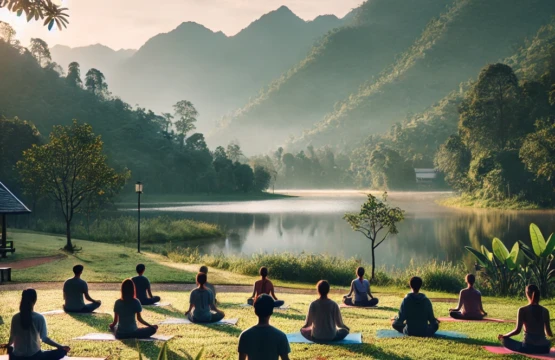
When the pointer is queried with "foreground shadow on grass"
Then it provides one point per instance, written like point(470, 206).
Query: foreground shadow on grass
point(100, 322)
point(166, 311)
point(374, 351)
point(284, 315)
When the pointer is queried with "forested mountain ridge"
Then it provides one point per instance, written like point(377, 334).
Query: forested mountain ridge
point(216, 72)
point(451, 50)
point(334, 68)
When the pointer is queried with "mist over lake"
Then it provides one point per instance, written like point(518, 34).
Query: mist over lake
point(312, 222)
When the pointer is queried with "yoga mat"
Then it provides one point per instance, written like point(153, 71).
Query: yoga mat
point(504, 351)
point(282, 307)
point(159, 304)
point(6, 357)
point(390, 334)
point(60, 311)
point(181, 321)
point(450, 319)
point(345, 306)
point(112, 337)
point(349, 340)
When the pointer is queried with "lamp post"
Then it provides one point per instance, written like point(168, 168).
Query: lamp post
point(139, 191)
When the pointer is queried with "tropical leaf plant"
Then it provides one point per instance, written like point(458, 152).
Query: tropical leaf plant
point(540, 259)
point(45, 10)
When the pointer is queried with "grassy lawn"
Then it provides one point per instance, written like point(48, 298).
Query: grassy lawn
point(220, 342)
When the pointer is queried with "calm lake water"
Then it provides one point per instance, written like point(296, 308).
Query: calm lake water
point(312, 222)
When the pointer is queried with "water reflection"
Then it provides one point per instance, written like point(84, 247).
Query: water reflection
point(314, 224)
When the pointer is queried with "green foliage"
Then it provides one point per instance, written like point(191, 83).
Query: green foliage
point(39, 49)
point(186, 116)
point(375, 216)
point(540, 260)
point(70, 169)
point(73, 77)
point(262, 178)
point(45, 10)
point(95, 83)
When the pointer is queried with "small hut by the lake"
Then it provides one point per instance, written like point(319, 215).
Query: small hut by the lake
point(9, 205)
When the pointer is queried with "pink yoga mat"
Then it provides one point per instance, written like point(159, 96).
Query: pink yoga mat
point(450, 319)
point(504, 351)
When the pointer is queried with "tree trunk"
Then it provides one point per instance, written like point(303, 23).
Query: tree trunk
point(69, 245)
point(373, 261)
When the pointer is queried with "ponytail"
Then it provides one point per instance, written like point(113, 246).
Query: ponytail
point(533, 293)
point(28, 300)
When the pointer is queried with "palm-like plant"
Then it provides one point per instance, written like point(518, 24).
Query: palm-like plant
point(540, 257)
point(38, 9)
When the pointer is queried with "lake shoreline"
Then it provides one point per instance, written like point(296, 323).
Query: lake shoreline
point(469, 202)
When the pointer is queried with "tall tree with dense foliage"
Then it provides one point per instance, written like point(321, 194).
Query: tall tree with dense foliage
point(234, 152)
point(74, 75)
point(45, 10)
point(95, 82)
point(7, 32)
point(70, 169)
point(186, 116)
point(40, 50)
point(375, 216)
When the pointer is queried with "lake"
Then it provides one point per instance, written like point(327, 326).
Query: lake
point(312, 222)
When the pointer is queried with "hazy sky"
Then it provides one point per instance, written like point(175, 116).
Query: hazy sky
point(129, 23)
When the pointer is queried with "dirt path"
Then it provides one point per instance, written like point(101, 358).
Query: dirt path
point(32, 262)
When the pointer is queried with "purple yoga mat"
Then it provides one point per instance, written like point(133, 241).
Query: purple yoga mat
point(500, 350)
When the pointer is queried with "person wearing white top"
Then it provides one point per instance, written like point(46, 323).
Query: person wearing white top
point(363, 296)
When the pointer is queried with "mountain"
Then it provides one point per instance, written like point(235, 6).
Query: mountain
point(216, 72)
point(452, 49)
point(94, 56)
point(334, 68)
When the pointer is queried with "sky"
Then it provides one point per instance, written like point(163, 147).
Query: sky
point(128, 24)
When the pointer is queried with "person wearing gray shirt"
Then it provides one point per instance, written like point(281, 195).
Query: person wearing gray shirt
point(201, 304)
point(75, 289)
point(142, 287)
point(28, 329)
point(263, 341)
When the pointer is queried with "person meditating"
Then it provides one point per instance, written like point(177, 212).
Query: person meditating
point(263, 341)
point(264, 286)
point(470, 300)
point(125, 310)
point(142, 286)
point(204, 269)
point(201, 302)
point(27, 331)
point(74, 290)
point(361, 287)
point(323, 321)
point(416, 315)
point(535, 319)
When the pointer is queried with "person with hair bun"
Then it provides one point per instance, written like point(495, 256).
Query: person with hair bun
point(201, 304)
point(534, 318)
point(126, 309)
point(27, 331)
point(470, 301)
point(264, 286)
point(323, 321)
point(361, 287)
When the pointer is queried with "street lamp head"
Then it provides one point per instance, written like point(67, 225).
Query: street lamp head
point(139, 187)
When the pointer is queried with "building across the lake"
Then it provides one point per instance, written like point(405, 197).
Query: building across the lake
point(425, 176)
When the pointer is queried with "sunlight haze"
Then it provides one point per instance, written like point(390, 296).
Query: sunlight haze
point(127, 24)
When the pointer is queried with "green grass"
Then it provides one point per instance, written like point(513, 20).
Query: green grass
point(220, 342)
point(466, 200)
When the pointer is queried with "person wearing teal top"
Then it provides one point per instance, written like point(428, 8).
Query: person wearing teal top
point(416, 315)
point(201, 304)
point(125, 310)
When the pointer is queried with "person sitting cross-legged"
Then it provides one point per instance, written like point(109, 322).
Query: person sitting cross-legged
point(75, 289)
point(470, 301)
point(201, 304)
point(416, 315)
point(126, 309)
point(27, 331)
point(361, 287)
point(263, 341)
point(204, 269)
point(534, 318)
point(264, 286)
point(323, 321)
point(142, 286)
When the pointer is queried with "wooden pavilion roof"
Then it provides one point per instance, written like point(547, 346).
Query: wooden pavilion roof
point(10, 204)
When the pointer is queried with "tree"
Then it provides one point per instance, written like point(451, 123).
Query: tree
point(186, 115)
point(39, 49)
point(7, 33)
point(167, 122)
point(234, 152)
point(453, 159)
point(95, 82)
point(38, 9)
point(74, 74)
point(262, 178)
point(244, 177)
point(70, 169)
point(375, 216)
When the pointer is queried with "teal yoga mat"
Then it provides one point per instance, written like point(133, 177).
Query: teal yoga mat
point(390, 334)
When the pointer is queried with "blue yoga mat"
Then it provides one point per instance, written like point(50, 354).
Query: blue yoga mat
point(390, 334)
point(349, 340)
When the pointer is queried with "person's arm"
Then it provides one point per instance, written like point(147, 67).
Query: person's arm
point(272, 291)
point(309, 319)
point(459, 306)
point(482, 308)
point(518, 328)
point(115, 322)
point(191, 306)
point(87, 296)
point(369, 291)
point(284, 357)
point(142, 321)
point(43, 333)
point(350, 291)
point(339, 319)
point(213, 305)
point(148, 290)
point(401, 316)
point(546, 321)
point(242, 356)
point(253, 291)
point(431, 316)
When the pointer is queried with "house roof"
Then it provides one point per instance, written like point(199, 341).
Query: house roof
point(9, 203)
